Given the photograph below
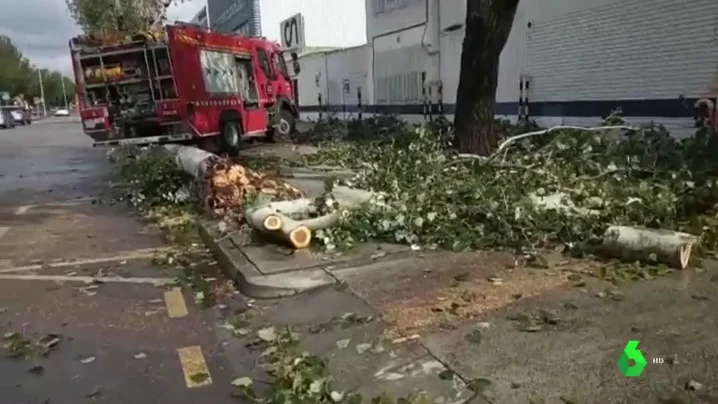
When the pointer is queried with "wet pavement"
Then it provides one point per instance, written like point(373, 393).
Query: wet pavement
point(77, 268)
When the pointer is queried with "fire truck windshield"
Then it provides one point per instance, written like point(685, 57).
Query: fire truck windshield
point(282, 64)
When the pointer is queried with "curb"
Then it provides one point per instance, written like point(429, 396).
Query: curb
point(315, 174)
point(250, 281)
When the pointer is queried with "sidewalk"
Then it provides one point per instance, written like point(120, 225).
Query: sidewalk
point(481, 327)
point(439, 322)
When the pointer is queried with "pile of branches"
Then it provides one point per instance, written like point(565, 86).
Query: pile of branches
point(226, 187)
point(380, 128)
point(566, 186)
point(151, 179)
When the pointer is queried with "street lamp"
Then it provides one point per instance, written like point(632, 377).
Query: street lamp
point(42, 92)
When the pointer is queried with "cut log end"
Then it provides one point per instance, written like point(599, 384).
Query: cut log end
point(272, 223)
point(684, 255)
point(650, 245)
point(300, 237)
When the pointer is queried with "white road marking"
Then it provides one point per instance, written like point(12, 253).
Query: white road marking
point(146, 253)
point(4, 230)
point(72, 202)
point(23, 209)
point(90, 279)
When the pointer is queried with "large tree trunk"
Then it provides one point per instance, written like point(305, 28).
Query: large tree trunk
point(488, 24)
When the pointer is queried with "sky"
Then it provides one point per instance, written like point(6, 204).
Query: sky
point(41, 29)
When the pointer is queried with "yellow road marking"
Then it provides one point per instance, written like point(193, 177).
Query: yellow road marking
point(176, 307)
point(194, 367)
point(23, 209)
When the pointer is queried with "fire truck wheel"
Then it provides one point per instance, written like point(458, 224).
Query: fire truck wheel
point(231, 137)
point(286, 125)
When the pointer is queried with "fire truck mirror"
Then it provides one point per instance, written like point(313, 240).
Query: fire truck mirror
point(296, 67)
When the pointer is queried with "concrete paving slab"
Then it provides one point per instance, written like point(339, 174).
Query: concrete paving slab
point(576, 358)
point(266, 271)
point(252, 282)
point(424, 377)
point(272, 260)
point(383, 366)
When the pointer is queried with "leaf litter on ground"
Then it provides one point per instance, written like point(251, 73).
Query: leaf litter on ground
point(563, 188)
point(560, 188)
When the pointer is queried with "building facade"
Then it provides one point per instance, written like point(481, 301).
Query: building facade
point(241, 16)
point(201, 18)
point(327, 23)
point(572, 61)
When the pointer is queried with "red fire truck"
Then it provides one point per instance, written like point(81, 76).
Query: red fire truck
point(183, 84)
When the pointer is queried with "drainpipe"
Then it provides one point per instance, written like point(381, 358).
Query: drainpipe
point(326, 69)
point(432, 30)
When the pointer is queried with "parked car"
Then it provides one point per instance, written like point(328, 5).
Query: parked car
point(20, 115)
point(62, 112)
point(6, 119)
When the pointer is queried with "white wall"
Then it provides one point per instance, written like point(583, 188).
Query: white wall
point(511, 63)
point(349, 67)
point(312, 79)
point(329, 74)
point(572, 50)
point(384, 16)
point(334, 23)
point(399, 60)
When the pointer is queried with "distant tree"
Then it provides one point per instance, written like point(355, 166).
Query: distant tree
point(117, 17)
point(488, 24)
point(20, 78)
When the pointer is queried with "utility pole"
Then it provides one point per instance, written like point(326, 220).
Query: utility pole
point(42, 92)
point(206, 10)
point(64, 93)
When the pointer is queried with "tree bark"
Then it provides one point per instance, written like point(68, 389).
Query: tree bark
point(667, 247)
point(488, 24)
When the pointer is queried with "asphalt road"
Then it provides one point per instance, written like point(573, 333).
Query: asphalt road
point(121, 340)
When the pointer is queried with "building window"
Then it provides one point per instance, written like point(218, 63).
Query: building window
point(243, 29)
point(399, 88)
point(387, 6)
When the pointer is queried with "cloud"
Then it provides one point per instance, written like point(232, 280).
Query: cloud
point(41, 29)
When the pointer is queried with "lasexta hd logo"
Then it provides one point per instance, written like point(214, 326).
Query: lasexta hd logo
point(631, 362)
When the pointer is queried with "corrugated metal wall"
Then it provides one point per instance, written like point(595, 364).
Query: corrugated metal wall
point(627, 49)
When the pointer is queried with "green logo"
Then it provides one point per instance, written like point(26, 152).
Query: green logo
point(631, 353)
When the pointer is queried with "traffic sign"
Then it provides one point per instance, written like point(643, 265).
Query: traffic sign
point(291, 32)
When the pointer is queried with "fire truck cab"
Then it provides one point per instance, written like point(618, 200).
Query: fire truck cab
point(183, 84)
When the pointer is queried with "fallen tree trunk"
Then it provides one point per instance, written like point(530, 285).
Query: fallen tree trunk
point(226, 186)
point(274, 218)
point(649, 245)
point(191, 160)
point(269, 222)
